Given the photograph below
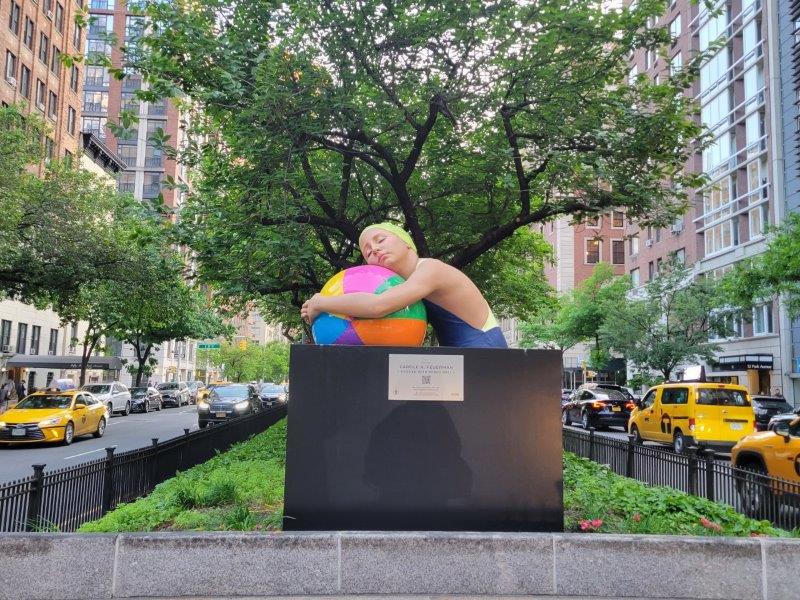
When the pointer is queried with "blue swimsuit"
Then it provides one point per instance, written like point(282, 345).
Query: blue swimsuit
point(454, 331)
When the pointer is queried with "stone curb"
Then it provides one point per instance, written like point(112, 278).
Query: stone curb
point(425, 564)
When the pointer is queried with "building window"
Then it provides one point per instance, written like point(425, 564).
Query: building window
point(73, 338)
point(68, 158)
point(95, 125)
point(22, 337)
point(40, 94)
point(130, 102)
point(659, 266)
point(635, 279)
point(152, 185)
point(132, 81)
point(52, 105)
point(49, 148)
point(95, 101)
point(59, 17)
point(11, 66)
point(5, 336)
point(675, 29)
point(651, 271)
point(25, 82)
point(52, 346)
point(134, 27)
point(55, 62)
point(30, 29)
point(617, 252)
point(676, 64)
point(13, 18)
point(36, 333)
point(762, 319)
point(618, 219)
point(593, 249)
point(733, 328)
point(593, 221)
point(72, 116)
point(76, 37)
point(74, 78)
point(680, 256)
point(96, 48)
point(127, 182)
point(158, 108)
point(96, 76)
point(44, 47)
point(102, 4)
point(47, 7)
point(101, 26)
point(127, 153)
point(634, 245)
point(154, 157)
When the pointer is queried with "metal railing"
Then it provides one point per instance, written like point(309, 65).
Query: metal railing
point(64, 499)
point(698, 472)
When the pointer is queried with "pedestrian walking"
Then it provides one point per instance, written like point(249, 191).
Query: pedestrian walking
point(20, 389)
point(3, 397)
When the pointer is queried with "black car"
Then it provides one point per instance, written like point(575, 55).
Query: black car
point(272, 394)
point(598, 405)
point(145, 399)
point(228, 402)
point(767, 407)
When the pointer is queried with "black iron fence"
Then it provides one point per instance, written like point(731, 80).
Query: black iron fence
point(63, 500)
point(698, 472)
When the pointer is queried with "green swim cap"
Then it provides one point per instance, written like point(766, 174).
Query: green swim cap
point(392, 228)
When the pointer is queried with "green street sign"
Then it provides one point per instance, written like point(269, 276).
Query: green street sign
point(208, 346)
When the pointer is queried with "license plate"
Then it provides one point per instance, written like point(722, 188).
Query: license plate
point(616, 408)
point(18, 432)
point(736, 426)
point(221, 415)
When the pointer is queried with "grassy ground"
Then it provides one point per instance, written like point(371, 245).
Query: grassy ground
point(242, 490)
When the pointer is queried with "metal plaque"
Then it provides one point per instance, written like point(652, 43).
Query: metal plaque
point(432, 377)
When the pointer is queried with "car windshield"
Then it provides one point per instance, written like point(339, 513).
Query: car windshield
point(773, 403)
point(711, 397)
point(271, 388)
point(97, 388)
point(230, 392)
point(46, 401)
point(168, 386)
point(138, 392)
point(614, 393)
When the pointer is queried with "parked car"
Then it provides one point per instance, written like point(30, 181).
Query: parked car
point(145, 399)
point(54, 417)
point(195, 388)
point(113, 394)
point(272, 394)
point(174, 393)
point(62, 385)
point(783, 417)
point(766, 407)
point(710, 415)
point(768, 453)
point(566, 394)
point(228, 402)
point(598, 405)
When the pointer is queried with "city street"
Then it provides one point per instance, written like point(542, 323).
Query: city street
point(126, 433)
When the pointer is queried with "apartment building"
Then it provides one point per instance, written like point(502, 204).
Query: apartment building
point(738, 92)
point(33, 37)
point(146, 166)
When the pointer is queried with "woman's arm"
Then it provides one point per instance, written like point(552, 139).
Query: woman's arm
point(371, 306)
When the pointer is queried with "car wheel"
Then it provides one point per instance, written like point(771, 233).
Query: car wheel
point(202, 424)
point(127, 410)
point(755, 494)
point(565, 420)
point(585, 420)
point(637, 437)
point(101, 428)
point(69, 434)
point(679, 443)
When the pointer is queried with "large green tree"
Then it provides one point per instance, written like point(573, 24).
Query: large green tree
point(248, 361)
point(59, 226)
point(463, 120)
point(669, 323)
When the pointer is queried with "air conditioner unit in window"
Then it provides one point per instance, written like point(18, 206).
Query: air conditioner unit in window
point(648, 243)
point(33, 351)
point(12, 81)
point(51, 352)
point(677, 227)
point(49, 14)
point(6, 349)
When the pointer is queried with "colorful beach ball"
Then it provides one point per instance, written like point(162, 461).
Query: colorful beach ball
point(406, 327)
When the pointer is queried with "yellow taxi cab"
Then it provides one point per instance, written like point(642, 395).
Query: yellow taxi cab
point(708, 415)
point(53, 416)
point(203, 393)
point(763, 455)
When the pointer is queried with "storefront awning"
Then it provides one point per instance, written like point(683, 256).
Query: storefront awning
point(70, 361)
point(742, 362)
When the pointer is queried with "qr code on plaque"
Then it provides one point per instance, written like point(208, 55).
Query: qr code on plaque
point(426, 379)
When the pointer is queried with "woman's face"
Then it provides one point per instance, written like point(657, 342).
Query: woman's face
point(380, 247)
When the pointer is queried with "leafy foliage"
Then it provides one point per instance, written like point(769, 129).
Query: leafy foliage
point(669, 323)
point(464, 121)
point(251, 362)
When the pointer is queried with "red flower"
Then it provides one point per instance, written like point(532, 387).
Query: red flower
point(592, 525)
point(637, 517)
point(710, 524)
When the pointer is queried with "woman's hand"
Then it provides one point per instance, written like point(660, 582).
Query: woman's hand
point(311, 309)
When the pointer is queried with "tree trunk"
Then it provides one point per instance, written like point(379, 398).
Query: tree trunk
point(142, 359)
point(86, 354)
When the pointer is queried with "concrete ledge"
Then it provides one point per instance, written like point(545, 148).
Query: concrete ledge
point(419, 565)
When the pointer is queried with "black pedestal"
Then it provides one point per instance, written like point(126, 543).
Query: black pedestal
point(357, 460)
